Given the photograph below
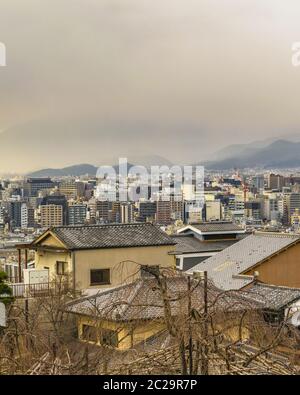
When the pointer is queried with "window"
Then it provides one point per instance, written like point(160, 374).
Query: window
point(148, 271)
point(109, 338)
point(89, 333)
point(61, 268)
point(100, 276)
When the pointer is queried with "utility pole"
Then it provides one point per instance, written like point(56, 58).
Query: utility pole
point(205, 359)
point(190, 327)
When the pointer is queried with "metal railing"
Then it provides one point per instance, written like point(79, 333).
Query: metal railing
point(22, 290)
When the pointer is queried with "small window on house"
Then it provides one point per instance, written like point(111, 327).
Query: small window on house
point(61, 268)
point(109, 338)
point(89, 333)
point(149, 271)
point(100, 276)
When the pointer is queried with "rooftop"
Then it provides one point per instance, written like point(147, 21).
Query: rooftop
point(236, 259)
point(214, 227)
point(142, 300)
point(111, 236)
point(190, 244)
point(273, 297)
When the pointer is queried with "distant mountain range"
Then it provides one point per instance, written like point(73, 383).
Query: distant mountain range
point(91, 170)
point(278, 154)
point(76, 170)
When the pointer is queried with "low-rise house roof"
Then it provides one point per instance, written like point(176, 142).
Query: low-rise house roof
point(142, 300)
point(187, 244)
point(272, 297)
point(217, 227)
point(225, 267)
point(109, 236)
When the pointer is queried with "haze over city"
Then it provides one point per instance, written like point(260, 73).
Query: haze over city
point(95, 80)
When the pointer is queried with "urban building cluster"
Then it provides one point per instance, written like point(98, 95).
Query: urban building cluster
point(273, 200)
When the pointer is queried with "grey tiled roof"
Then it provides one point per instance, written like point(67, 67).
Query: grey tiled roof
point(142, 300)
point(112, 236)
point(190, 244)
point(272, 297)
point(207, 227)
point(241, 256)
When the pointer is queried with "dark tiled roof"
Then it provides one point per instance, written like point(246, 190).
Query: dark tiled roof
point(112, 236)
point(142, 300)
point(273, 297)
point(190, 244)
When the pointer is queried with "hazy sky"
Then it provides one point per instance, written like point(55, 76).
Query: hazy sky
point(178, 78)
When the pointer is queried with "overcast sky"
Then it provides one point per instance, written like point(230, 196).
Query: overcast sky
point(193, 75)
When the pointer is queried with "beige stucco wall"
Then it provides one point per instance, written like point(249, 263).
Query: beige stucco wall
point(106, 258)
point(112, 259)
point(46, 259)
point(129, 334)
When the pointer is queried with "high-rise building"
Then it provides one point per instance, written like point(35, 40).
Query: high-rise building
point(163, 212)
point(58, 200)
point(126, 211)
point(14, 212)
point(72, 189)
point(27, 216)
point(51, 215)
point(253, 209)
point(258, 182)
point(77, 214)
point(146, 211)
point(275, 181)
point(292, 204)
point(33, 185)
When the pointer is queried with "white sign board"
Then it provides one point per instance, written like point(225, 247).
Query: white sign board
point(2, 314)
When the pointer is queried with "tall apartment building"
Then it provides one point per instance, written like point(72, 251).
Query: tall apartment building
point(27, 216)
point(51, 215)
point(258, 182)
point(253, 209)
point(272, 210)
point(14, 212)
point(72, 189)
point(275, 181)
point(77, 214)
point(146, 211)
point(292, 204)
point(58, 200)
point(126, 212)
point(163, 212)
point(102, 211)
